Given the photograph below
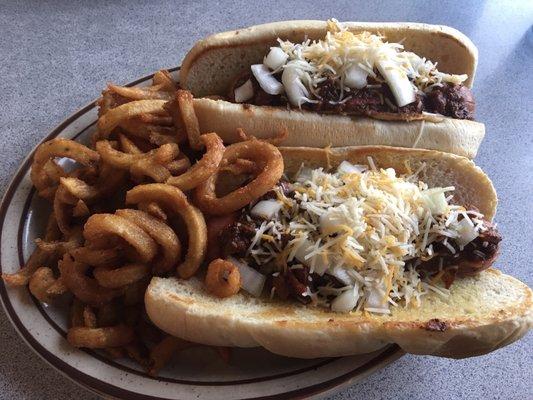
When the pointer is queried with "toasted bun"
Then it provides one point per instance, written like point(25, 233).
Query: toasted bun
point(213, 63)
point(481, 314)
point(311, 129)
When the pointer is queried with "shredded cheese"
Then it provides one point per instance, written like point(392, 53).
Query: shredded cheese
point(369, 228)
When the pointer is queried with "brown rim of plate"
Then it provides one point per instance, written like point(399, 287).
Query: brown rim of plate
point(389, 354)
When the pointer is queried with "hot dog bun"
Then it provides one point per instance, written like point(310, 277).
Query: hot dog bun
point(214, 62)
point(481, 314)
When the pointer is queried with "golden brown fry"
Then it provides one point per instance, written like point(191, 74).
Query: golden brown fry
point(100, 338)
point(262, 153)
point(223, 278)
point(121, 276)
point(172, 199)
point(84, 288)
point(60, 247)
point(188, 116)
point(100, 226)
point(80, 209)
point(89, 317)
point(241, 166)
point(163, 235)
point(163, 79)
point(76, 313)
point(57, 288)
point(57, 148)
point(153, 209)
point(97, 257)
point(148, 167)
point(39, 283)
point(23, 275)
point(156, 120)
point(162, 352)
point(155, 134)
point(127, 145)
point(179, 166)
point(64, 204)
point(139, 93)
point(111, 119)
point(203, 168)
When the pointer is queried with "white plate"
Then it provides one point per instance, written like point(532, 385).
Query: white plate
point(196, 373)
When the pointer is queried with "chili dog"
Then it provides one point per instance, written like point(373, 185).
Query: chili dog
point(406, 85)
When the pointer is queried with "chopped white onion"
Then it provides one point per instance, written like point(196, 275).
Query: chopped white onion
point(343, 276)
point(251, 280)
point(303, 249)
point(346, 301)
point(295, 89)
point(376, 300)
point(397, 79)
point(244, 92)
point(346, 167)
point(467, 232)
point(304, 174)
point(355, 77)
point(266, 209)
point(276, 58)
point(436, 201)
point(265, 79)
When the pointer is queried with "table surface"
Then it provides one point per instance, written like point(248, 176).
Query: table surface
point(58, 55)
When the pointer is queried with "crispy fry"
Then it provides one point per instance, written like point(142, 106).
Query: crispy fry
point(121, 276)
point(45, 174)
point(162, 352)
point(76, 313)
point(127, 145)
point(97, 257)
point(84, 288)
point(223, 278)
point(100, 338)
point(39, 283)
point(89, 317)
point(137, 93)
point(111, 119)
point(179, 166)
point(23, 275)
point(241, 166)
point(205, 167)
point(163, 235)
point(153, 209)
point(107, 314)
point(172, 199)
point(100, 226)
point(262, 153)
point(64, 204)
point(156, 120)
point(80, 209)
point(188, 116)
point(163, 79)
point(148, 167)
